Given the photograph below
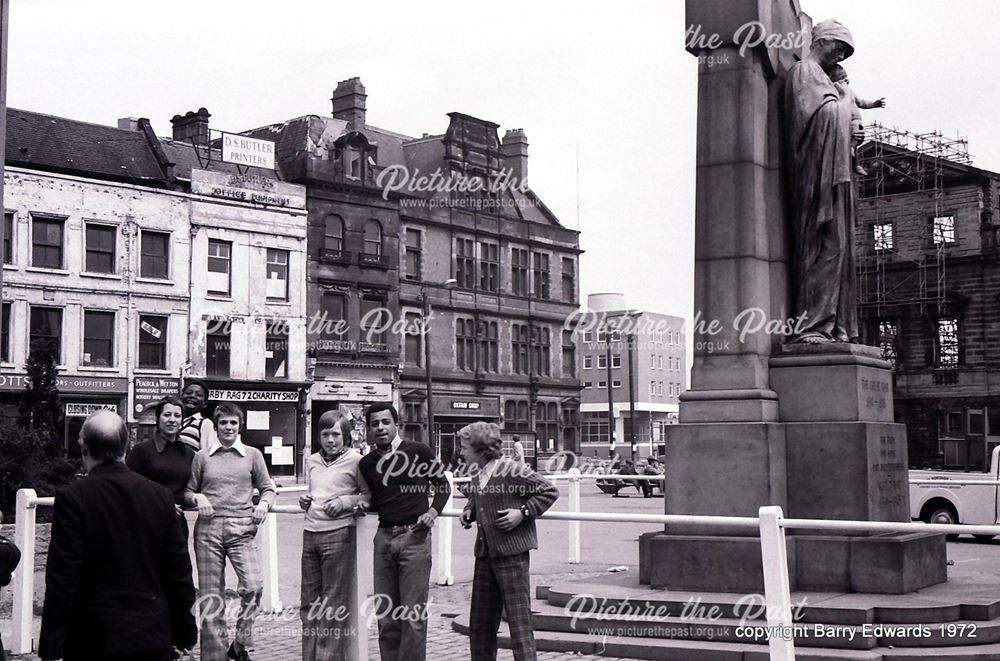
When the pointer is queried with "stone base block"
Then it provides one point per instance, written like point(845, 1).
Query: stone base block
point(880, 564)
point(705, 563)
point(724, 469)
point(837, 382)
point(847, 470)
point(897, 563)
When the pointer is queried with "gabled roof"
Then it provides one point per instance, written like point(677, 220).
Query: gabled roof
point(46, 142)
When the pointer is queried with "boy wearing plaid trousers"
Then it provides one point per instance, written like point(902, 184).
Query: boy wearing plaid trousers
point(223, 477)
point(505, 499)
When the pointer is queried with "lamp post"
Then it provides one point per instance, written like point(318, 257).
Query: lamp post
point(425, 310)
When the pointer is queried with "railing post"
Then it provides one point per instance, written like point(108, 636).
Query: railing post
point(270, 601)
point(445, 526)
point(574, 507)
point(363, 586)
point(776, 593)
point(24, 575)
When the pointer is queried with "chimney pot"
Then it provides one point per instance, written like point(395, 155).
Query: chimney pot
point(192, 127)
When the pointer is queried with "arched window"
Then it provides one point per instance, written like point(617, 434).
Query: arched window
point(373, 237)
point(334, 233)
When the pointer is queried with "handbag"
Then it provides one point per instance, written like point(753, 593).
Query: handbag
point(10, 556)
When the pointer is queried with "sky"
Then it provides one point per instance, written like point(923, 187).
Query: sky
point(606, 94)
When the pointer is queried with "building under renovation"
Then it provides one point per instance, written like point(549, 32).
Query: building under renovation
point(929, 290)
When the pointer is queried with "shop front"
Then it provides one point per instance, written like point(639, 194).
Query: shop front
point(350, 397)
point(148, 392)
point(273, 420)
point(79, 396)
point(451, 413)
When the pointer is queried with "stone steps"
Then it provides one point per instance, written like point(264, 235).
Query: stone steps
point(657, 649)
point(932, 605)
point(547, 617)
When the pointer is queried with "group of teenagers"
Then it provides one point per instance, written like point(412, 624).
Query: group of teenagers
point(119, 582)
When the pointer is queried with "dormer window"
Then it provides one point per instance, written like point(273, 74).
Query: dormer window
point(355, 156)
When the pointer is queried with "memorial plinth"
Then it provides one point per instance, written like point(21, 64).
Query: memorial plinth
point(834, 453)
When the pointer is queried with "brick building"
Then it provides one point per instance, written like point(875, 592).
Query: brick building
point(929, 272)
point(497, 269)
point(109, 262)
point(660, 368)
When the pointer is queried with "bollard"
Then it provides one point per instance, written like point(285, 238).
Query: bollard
point(574, 507)
point(445, 525)
point(270, 601)
point(363, 587)
point(24, 575)
point(776, 594)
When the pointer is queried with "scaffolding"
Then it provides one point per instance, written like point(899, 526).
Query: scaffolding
point(902, 161)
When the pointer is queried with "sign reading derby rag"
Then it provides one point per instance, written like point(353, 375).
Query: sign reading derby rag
point(248, 188)
point(242, 150)
point(254, 395)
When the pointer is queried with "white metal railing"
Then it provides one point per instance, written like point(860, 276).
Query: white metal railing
point(770, 523)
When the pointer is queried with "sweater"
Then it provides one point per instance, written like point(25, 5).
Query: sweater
point(168, 464)
point(401, 481)
point(228, 476)
point(339, 480)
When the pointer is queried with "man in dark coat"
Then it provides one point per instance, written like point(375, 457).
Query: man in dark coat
point(118, 583)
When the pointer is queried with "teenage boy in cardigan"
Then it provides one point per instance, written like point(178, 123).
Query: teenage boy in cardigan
point(505, 499)
point(402, 475)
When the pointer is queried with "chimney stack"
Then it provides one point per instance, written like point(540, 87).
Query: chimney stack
point(192, 127)
point(349, 103)
point(128, 123)
point(514, 152)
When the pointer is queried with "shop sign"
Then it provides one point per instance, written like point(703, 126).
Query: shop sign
point(352, 391)
point(478, 407)
point(78, 384)
point(83, 410)
point(254, 395)
point(148, 391)
point(242, 150)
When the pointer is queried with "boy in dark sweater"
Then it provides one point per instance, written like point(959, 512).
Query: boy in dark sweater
point(402, 475)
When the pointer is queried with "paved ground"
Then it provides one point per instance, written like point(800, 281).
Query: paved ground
point(278, 637)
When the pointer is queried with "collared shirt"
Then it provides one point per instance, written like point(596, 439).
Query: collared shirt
point(238, 446)
point(393, 446)
point(487, 472)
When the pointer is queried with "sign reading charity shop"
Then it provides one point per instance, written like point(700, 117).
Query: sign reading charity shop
point(242, 150)
point(248, 188)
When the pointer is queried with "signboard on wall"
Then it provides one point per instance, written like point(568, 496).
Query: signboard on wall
point(242, 150)
point(78, 384)
point(148, 391)
point(248, 188)
point(74, 410)
point(467, 406)
point(254, 395)
point(352, 391)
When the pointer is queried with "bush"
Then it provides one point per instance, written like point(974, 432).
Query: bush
point(30, 458)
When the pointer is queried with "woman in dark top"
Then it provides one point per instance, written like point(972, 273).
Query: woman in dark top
point(166, 459)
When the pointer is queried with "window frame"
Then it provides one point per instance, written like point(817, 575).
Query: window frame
point(288, 269)
point(150, 233)
point(165, 354)
point(112, 362)
point(51, 221)
point(228, 260)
